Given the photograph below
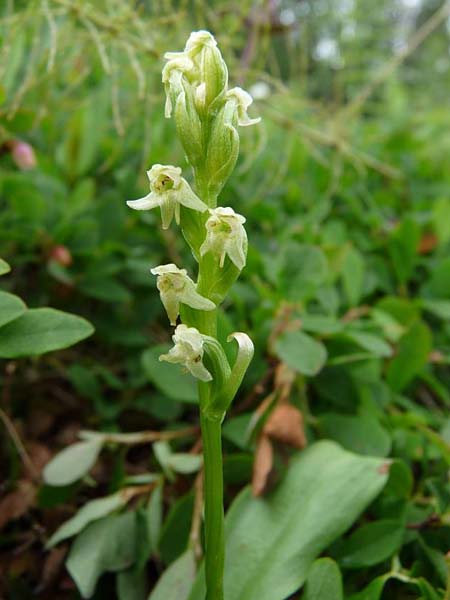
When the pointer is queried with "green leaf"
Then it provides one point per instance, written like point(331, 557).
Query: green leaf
point(41, 330)
point(301, 352)
point(106, 545)
point(175, 532)
point(361, 434)
point(373, 343)
point(106, 289)
point(412, 356)
point(176, 582)
point(72, 463)
point(131, 585)
point(11, 307)
point(324, 581)
point(4, 267)
point(169, 379)
point(92, 511)
point(353, 276)
point(439, 284)
point(371, 544)
point(324, 491)
point(403, 248)
point(373, 591)
point(439, 308)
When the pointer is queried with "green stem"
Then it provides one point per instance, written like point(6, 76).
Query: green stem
point(211, 438)
point(214, 517)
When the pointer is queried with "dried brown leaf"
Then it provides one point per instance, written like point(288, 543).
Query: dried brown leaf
point(15, 504)
point(285, 424)
point(262, 465)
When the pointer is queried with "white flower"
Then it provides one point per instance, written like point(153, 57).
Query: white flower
point(168, 190)
point(176, 287)
point(242, 100)
point(188, 351)
point(225, 234)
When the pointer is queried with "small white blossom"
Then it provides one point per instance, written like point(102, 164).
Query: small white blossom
point(176, 287)
point(168, 190)
point(243, 100)
point(188, 351)
point(225, 234)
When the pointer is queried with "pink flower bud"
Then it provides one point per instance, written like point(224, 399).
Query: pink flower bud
point(23, 155)
point(61, 255)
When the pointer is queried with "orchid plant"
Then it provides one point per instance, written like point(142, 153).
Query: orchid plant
point(207, 115)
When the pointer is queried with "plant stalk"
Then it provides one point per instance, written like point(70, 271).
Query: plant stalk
point(214, 515)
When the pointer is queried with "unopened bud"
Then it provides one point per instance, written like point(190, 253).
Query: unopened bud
point(223, 148)
point(61, 255)
point(23, 155)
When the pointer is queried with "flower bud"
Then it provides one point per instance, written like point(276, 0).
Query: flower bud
point(209, 75)
point(23, 155)
point(223, 148)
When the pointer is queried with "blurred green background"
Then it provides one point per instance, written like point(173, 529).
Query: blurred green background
point(345, 187)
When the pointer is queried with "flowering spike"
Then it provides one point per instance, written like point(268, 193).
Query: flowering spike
point(176, 287)
point(226, 236)
point(188, 351)
point(168, 190)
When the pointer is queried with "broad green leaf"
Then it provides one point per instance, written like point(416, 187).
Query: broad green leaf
point(72, 463)
point(373, 343)
point(11, 307)
point(323, 492)
point(301, 352)
point(92, 511)
point(439, 308)
point(371, 544)
point(412, 356)
point(41, 330)
point(353, 276)
point(131, 585)
point(324, 581)
point(105, 545)
point(149, 521)
point(106, 289)
point(403, 248)
point(176, 582)
point(175, 531)
point(441, 222)
point(4, 267)
point(305, 268)
point(169, 379)
point(321, 324)
point(373, 591)
point(360, 434)
point(438, 285)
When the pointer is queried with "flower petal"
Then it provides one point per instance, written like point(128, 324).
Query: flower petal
point(146, 203)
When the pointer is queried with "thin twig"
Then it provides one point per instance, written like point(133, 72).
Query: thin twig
point(194, 536)
point(139, 437)
point(12, 431)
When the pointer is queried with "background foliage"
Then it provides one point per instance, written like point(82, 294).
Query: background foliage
point(346, 295)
